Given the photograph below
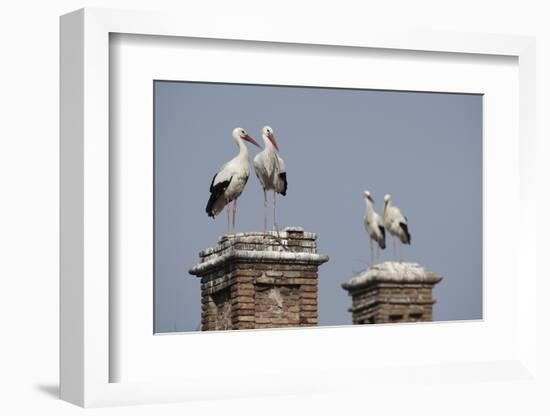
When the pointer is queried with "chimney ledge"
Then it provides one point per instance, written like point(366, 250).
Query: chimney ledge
point(392, 272)
point(256, 256)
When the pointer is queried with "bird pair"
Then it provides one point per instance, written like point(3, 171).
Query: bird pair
point(393, 220)
point(228, 184)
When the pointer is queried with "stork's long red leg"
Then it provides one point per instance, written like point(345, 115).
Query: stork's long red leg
point(234, 212)
point(228, 219)
point(371, 252)
point(265, 210)
point(274, 207)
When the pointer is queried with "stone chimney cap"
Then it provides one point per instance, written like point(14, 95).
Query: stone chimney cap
point(392, 272)
point(284, 233)
point(291, 245)
point(261, 256)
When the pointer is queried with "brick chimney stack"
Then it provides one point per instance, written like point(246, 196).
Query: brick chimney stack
point(392, 292)
point(260, 280)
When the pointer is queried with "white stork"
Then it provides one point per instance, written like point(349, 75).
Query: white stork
point(230, 180)
point(395, 222)
point(270, 170)
point(374, 225)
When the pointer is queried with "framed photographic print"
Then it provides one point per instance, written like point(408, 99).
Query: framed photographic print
point(252, 205)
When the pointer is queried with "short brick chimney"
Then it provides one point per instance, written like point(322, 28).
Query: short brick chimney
point(260, 280)
point(392, 292)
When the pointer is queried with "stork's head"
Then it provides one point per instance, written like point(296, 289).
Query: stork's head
point(240, 133)
point(368, 196)
point(387, 198)
point(268, 132)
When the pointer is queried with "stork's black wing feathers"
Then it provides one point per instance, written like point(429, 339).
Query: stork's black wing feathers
point(405, 228)
point(212, 183)
point(216, 191)
point(382, 241)
point(282, 176)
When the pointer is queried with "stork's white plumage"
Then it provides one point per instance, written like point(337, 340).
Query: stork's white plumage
point(374, 224)
point(228, 184)
point(396, 223)
point(270, 170)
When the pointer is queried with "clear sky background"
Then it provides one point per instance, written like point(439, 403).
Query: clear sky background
point(423, 148)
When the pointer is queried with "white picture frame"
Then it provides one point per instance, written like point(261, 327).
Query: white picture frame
point(86, 291)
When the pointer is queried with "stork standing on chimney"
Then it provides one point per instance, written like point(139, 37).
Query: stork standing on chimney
point(396, 223)
point(374, 226)
point(228, 184)
point(271, 171)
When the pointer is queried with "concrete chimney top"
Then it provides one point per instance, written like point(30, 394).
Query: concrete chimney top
point(392, 272)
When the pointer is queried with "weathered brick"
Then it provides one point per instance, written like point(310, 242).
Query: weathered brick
point(240, 306)
point(266, 280)
point(245, 325)
point(259, 291)
point(235, 313)
point(243, 291)
point(242, 286)
point(308, 294)
point(381, 296)
point(305, 282)
point(240, 280)
point(248, 273)
point(279, 321)
point(246, 318)
point(242, 299)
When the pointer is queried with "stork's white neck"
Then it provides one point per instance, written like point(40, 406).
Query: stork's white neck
point(387, 205)
point(243, 150)
point(369, 208)
point(268, 145)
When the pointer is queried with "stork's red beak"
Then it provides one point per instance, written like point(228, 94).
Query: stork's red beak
point(271, 138)
point(251, 140)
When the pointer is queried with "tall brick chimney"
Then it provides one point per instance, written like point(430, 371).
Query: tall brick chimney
point(392, 292)
point(260, 280)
